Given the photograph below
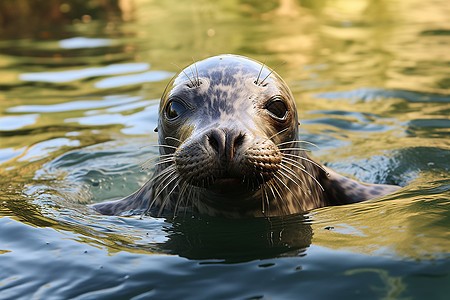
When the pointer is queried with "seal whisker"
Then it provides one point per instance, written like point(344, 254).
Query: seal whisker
point(266, 194)
point(193, 76)
point(172, 138)
point(272, 188)
point(285, 208)
point(167, 146)
point(184, 73)
point(196, 70)
point(296, 176)
point(188, 198)
point(195, 199)
point(262, 195)
point(279, 180)
point(147, 164)
point(162, 181)
point(293, 181)
point(162, 176)
point(297, 164)
point(277, 190)
point(285, 185)
point(164, 172)
point(164, 202)
point(156, 157)
point(298, 149)
point(162, 189)
point(142, 147)
point(271, 71)
point(171, 172)
point(160, 145)
point(267, 199)
point(269, 184)
point(274, 135)
point(298, 141)
point(179, 199)
point(305, 159)
point(260, 71)
point(202, 147)
point(310, 175)
point(275, 184)
point(164, 161)
point(154, 179)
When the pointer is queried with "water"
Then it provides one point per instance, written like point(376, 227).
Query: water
point(78, 103)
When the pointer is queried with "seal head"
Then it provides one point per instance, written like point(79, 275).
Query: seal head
point(228, 139)
point(224, 118)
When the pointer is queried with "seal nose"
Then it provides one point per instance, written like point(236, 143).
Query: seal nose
point(225, 142)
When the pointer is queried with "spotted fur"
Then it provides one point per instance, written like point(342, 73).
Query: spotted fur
point(227, 150)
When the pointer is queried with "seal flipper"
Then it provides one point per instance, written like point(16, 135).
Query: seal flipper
point(342, 190)
point(133, 204)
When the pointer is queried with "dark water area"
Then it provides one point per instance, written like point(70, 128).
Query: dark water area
point(79, 90)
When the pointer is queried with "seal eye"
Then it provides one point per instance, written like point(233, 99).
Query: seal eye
point(277, 109)
point(174, 109)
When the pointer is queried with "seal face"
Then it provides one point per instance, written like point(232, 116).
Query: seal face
point(228, 140)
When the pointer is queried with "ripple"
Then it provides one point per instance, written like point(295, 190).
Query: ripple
point(45, 148)
point(430, 123)
point(73, 105)
point(17, 122)
point(71, 75)
point(349, 125)
point(142, 122)
point(7, 154)
point(118, 81)
point(370, 94)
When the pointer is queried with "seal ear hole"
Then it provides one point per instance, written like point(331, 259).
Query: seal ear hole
point(174, 109)
point(277, 109)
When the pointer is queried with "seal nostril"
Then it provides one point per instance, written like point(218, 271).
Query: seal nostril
point(239, 140)
point(213, 143)
point(225, 142)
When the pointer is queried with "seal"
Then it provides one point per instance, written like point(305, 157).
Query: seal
point(229, 147)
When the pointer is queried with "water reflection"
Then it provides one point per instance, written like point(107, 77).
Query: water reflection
point(403, 227)
point(238, 240)
point(17, 122)
point(82, 42)
point(128, 80)
point(74, 105)
point(71, 75)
